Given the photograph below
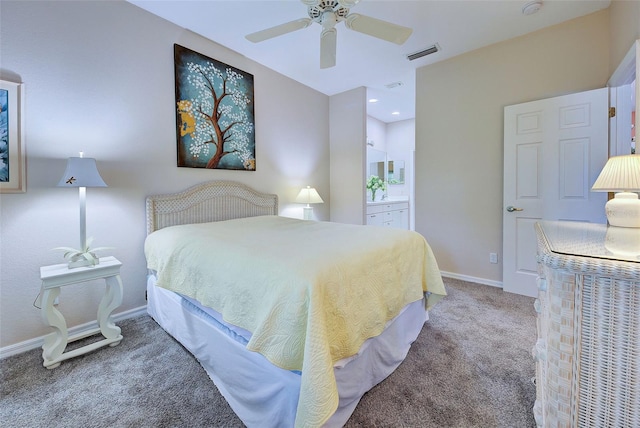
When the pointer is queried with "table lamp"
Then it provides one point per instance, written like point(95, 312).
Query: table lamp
point(81, 172)
point(621, 174)
point(308, 195)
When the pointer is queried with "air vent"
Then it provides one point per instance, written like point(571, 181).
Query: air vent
point(430, 50)
point(393, 85)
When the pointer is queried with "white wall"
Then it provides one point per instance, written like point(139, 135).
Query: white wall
point(459, 107)
point(401, 143)
point(348, 156)
point(459, 131)
point(624, 29)
point(99, 78)
point(376, 134)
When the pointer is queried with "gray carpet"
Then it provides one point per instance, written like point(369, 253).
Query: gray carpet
point(470, 367)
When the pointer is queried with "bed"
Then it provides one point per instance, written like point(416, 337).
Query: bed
point(293, 320)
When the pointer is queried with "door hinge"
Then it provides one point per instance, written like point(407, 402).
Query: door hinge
point(612, 112)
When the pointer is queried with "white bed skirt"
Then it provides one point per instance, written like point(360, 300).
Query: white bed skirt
point(261, 394)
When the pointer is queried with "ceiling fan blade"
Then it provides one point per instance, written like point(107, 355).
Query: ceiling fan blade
point(279, 30)
point(328, 41)
point(377, 28)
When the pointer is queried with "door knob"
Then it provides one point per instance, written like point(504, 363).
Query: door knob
point(511, 209)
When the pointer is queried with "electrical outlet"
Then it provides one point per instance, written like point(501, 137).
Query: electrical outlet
point(493, 257)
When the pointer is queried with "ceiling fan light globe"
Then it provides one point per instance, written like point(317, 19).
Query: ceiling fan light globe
point(328, 20)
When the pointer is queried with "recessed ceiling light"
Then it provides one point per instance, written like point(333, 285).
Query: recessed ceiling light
point(396, 113)
point(373, 100)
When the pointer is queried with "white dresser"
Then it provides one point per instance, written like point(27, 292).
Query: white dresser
point(588, 348)
point(388, 213)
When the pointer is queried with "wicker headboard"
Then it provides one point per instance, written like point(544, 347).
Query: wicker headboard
point(209, 201)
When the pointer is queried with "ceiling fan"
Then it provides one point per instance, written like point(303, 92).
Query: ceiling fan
point(328, 13)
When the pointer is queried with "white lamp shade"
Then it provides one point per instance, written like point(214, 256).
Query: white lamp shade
point(81, 172)
point(620, 174)
point(309, 195)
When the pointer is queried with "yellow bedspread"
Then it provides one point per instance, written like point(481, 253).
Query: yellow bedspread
point(310, 292)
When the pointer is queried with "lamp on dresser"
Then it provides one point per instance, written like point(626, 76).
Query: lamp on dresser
point(81, 172)
point(621, 174)
point(308, 195)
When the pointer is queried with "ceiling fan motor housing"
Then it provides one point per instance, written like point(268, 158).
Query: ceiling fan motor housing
point(317, 11)
point(343, 3)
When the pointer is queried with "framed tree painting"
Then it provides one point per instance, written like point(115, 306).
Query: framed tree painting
point(214, 113)
point(12, 155)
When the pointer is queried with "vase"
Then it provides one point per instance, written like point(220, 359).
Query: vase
point(373, 196)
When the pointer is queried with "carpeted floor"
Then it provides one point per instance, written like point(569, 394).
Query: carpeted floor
point(470, 367)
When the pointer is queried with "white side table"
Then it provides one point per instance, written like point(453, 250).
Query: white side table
point(56, 276)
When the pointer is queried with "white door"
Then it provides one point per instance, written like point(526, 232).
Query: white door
point(554, 150)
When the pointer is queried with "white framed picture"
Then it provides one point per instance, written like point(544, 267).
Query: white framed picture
point(12, 150)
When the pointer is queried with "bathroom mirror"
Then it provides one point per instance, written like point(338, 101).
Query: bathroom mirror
point(376, 168)
point(395, 172)
point(376, 160)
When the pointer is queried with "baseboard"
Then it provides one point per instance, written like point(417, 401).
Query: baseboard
point(37, 342)
point(472, 279)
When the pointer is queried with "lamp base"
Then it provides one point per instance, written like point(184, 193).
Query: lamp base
point(624, 210)
point(307, 213)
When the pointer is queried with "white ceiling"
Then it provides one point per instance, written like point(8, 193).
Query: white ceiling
point(457, 26)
